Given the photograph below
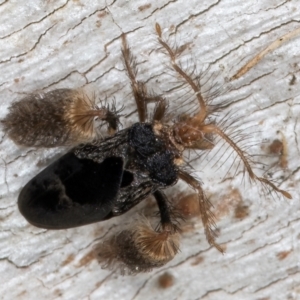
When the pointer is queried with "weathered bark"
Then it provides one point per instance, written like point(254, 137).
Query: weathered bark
point(68, 44)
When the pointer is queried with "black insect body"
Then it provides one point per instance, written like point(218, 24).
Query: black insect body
point(105, 178)
point(72, 192)
point(97, 181)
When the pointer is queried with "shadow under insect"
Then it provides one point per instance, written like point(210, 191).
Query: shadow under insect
point(106, 177)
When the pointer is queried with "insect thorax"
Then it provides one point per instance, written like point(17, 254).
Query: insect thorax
point(144, 151)
point(152, 153)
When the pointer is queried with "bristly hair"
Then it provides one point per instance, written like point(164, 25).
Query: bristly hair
point(190, 82)
point(139, 249)
point(61, 117)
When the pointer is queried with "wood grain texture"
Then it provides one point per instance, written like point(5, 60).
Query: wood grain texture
point(70, 44)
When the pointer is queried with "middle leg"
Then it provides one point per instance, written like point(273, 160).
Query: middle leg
point(139, 89)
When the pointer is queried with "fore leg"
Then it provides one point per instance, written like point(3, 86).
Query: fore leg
point(196, 132)
point(212, 128)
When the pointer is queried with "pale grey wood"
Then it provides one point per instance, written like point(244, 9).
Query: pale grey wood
point(52, 44)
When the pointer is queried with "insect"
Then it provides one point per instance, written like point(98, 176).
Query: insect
point(105, 177)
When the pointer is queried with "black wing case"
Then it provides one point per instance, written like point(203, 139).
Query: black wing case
point(72, 192)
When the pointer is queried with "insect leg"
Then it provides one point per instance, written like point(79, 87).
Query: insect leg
point(138, 88)
point(160, 108)
point(194, 85)
point(141, 96)
point(141, 247)
point(211, 128)
point(167, 223)
point(83, 110)
point(208, 218)
point(112, 118)
point(57, 118)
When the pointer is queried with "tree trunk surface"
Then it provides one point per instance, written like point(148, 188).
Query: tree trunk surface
point(47, 45)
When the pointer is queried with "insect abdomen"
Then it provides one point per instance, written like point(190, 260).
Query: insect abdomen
point(72, 192)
